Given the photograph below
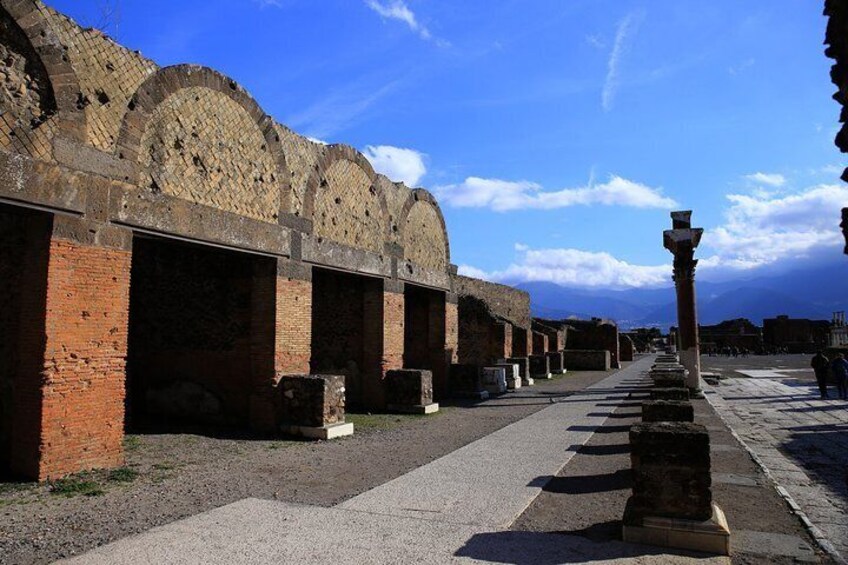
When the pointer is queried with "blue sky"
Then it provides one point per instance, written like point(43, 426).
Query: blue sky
point(557, 134)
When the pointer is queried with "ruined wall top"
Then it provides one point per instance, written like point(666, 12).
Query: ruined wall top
point(506, 302)
point(182, 142)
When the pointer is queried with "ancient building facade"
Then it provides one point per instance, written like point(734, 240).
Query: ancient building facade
point(740, 333)
point(796, 335)
point(169, 252)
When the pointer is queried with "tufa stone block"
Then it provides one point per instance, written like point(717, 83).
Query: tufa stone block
point(494, 379)
point(312, 400)
point(409, 387)
point(675, 393)
point(667, 411)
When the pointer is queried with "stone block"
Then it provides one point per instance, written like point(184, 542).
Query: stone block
point(409, 390)
point(312, 401)
point(669, 381)
point(523, 369)
point(671, 472)
point(586, 360)
point(709, 536)
point(465, 382)
point(494, 379)
point(513, 377)
point(667, 411)
point(555, 362)
point(539, 368)
point(675, 393)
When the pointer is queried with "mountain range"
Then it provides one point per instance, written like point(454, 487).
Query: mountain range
point(814, 293)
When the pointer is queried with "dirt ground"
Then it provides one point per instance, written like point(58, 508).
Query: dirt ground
point(171, 476)
point(595, 484)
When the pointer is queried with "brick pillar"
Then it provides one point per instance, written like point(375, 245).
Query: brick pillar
point(451, 328)
point(281, 334)
point(82, 370)
point(383, 334)
point(501, 346)
point(437, 342)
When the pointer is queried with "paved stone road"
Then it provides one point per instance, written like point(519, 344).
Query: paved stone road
point(800, 439)
point(455, 509)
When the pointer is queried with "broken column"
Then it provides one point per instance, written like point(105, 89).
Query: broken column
point(671, 504)
point(681, 241)
point(313, 406)
point(410, 391)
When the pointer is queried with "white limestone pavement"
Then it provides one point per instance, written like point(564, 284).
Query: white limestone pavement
point(453, 510)
point(800, 441)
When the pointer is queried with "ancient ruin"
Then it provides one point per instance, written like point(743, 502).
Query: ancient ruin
point(681, 241)
point(172, 255)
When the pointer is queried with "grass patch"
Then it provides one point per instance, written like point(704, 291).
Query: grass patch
point(122, 475)
point(164, 466)
point(369, 421)
point(75, 486)
point(131, 443)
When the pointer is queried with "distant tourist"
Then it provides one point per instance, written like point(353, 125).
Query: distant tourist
point(821, 366)
point(839, 366)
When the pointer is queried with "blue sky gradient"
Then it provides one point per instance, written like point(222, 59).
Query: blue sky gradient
point(557, 134)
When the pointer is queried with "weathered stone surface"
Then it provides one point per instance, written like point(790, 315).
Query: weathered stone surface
point(586, 360)
point(409, 387)
point(667, 411)
point(675, 393)
point(494, 379)
point(669, 380)
point(312, 400)
point(539, 366)
point(671, 472)
point(555, 362)
point(465, 379)
point(523, 365)
point(513, 377)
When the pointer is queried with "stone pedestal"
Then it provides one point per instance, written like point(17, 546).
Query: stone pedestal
point(671, 504)
point(675, 393)
point(513, 376)
point(410, 391)
point(667, 411)
point(556, 362)
point(465, 382)
point(494, 380)
point(313, 406)
point(539, 368)
point(523, 369)
point(668, 380)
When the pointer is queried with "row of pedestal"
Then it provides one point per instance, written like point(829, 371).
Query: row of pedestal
point(671, 504)
point(471, 381)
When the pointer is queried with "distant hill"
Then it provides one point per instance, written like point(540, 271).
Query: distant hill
point(811, 293)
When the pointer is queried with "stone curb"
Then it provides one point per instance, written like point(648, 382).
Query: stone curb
point(821, 540)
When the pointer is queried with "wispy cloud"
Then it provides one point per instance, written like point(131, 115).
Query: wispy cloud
point(399, 11)
point(398, 164)
point(341, 108)
point(740, 67)
point(502, 195)
point(771, 179)
point(624, 35)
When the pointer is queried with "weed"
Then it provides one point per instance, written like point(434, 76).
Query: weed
point(122, 475)
point(73, 486)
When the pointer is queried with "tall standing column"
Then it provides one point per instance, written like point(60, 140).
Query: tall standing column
point(682, 241)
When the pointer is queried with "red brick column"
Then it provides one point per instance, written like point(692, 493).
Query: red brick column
point(82, 372)
point(383, 337)
point(501, 340)
point(451, 328)
point(281, 334)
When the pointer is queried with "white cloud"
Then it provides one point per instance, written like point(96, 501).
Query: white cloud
point(502, 195)
point(573, 267)
point(627, 29)
point(760, 230)
point(400, 165)
point(757, 232)
point(398, 10)
point(770, 179)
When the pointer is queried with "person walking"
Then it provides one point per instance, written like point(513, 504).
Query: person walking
point(821, 366)
point(839, 366)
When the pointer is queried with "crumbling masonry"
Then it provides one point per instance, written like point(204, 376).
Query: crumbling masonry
point(170, 253)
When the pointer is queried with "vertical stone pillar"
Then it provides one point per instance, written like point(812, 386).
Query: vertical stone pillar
point(501, 341)
point(451, 328)
point(81, 370)
point(682, 241)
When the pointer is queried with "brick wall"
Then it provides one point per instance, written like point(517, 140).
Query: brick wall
point(452, 331)
point(504, 301)
point(540, 343)
point(521, 346)
point(84, 358)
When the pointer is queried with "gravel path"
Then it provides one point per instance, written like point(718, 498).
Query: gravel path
point(172, 476)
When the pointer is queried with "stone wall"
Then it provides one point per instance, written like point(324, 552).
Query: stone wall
point(586, 360)
point(506, 302)
point(594, 334)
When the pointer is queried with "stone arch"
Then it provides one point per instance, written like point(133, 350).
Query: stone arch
point(344, 201)
point(197, 135)
point(40, 87)
point(424, 235)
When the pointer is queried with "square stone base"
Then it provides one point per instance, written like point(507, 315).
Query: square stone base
point(513, 385)
point(710, 536)
point(417, 409)
point(324, 432)
point(527, 381)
